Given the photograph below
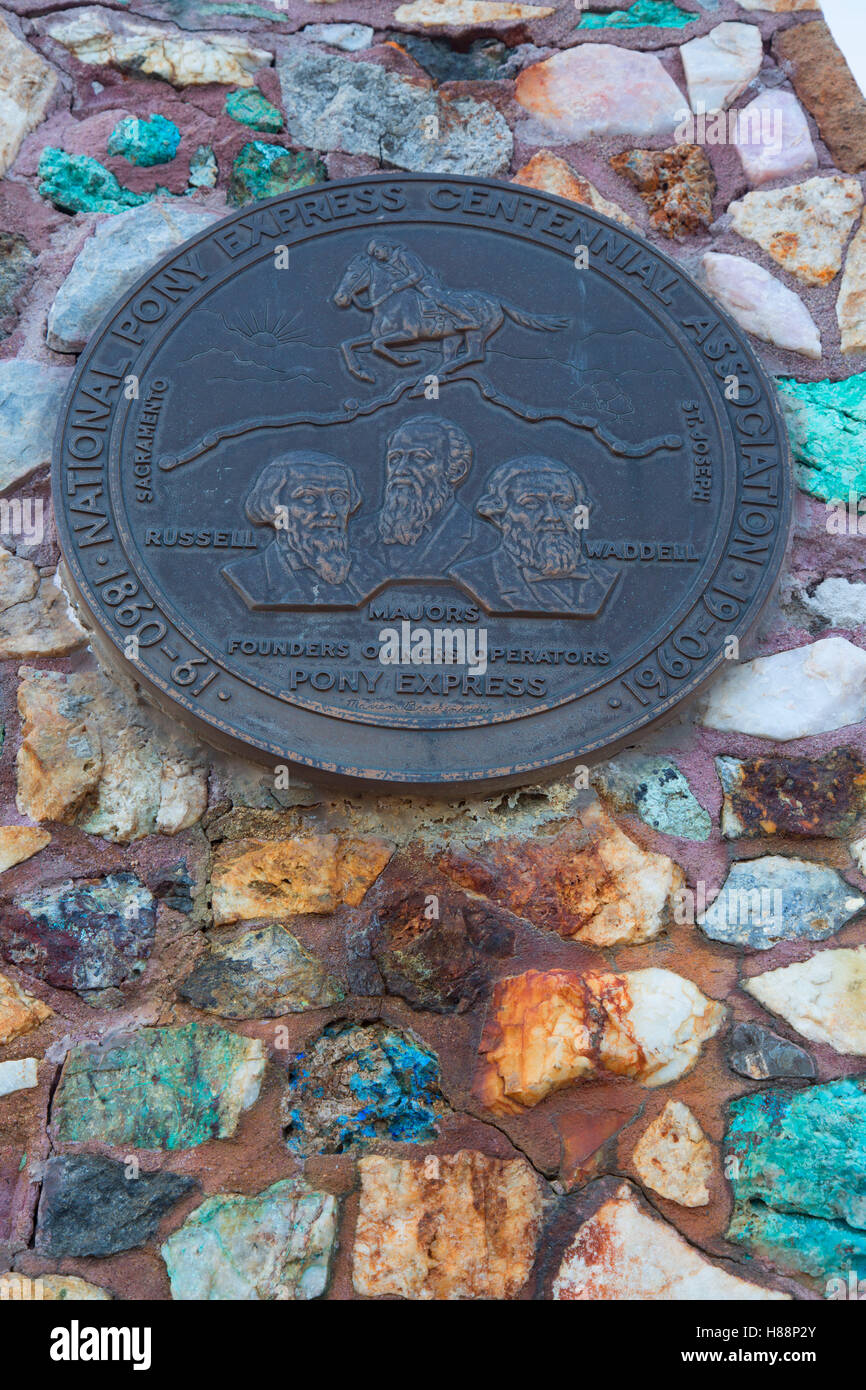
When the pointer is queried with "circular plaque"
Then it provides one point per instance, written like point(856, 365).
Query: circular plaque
point(420, 481)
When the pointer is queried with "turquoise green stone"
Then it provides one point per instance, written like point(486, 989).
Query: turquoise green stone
point(263, 171)
point(800, 1245)
point(77, 183)
point(246, 11)
point(658, 13)
point(249, 106)
point(827, 427)
point(159, 1088)
point(799, 1169)
point(145, 142)
point(655, 789)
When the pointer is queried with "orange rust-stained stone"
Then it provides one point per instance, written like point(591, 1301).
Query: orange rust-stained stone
point(548, 1029)
point(677, 185)
point(446, 1226)
point(674, 1157)
point(589, 881)
point(551, 174)
point(267, 879)
point(20, 1012)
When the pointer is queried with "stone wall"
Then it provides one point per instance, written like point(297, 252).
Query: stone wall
point(600, 1039)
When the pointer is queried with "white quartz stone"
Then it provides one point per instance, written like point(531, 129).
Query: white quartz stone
point(773, 138)
point(823, 998)
point(762, 304)
point(720, 65)
point(793, 694)
point(21, 1075)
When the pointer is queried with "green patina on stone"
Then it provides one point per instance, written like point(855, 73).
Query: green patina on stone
point(827, 427)
point(263, 171)
point(800, 1157)
point(277, 1245)
point(203, 170)
point(77, 183)
point(804, 1245)
point(145, 142)
point(659, 14)
point(251, 107)
point(159, 1088)
point(655, 789)
point(245, 11)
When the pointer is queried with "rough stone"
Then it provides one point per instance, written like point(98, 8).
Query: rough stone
point(51, 1288)
point(20, 842)
point(438, 960)
point(792, 796)
point(761, 1055)
point(804, 227)
point(89, 1206)
point(333, 103)
point(91, 757)
point(677, 185)
point(792, 694)
point(588, 882)
point(251, 107)
point(826, 422)
point(359, 1084)
point(655, 789)
point(851, 304)
point(277, 1245)
point(827, 88)
point(30, 398)
point(203, 168)
point(839, 602)
point(773, 138)
point(550, 174)
point(262, 171)
point(27, 84)
point(596, 90)
point(20, 1012)
point(79, 183)
point(720, 65)
point(448, 1226)
point(546, 1030)
point(35, 617)
point(764, 901)
point(351, 38)
point(660, 14)
point(262, 973)
point(674, 1157)
point(485, 60)
point(823, 998)
point(16, 258)
point(466, 14)
point(87, 934)
point(110, 262)
point(154, 140)
point(158, 1088)
point(103, 38)
point(762, 304)
point(780, 6)
point(19, 1075)
point(799, 1158)
point(311, 873)
point(622, 1252)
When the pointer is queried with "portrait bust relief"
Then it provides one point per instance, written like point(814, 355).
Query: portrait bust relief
point(307, 499)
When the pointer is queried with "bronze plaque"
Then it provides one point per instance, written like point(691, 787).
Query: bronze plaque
point(420, 480)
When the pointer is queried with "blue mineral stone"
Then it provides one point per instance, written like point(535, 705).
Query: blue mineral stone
point(145, 142)
point(78, 183)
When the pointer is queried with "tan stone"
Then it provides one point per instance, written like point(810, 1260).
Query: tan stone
point(589, 881)
point(551, 174)
point(50, 1288)
point(102, 38)
point(599, 89)
point(20, 842)
point(804, 227)
point(549, 1029)
point(780, 6)
point(42, 624)
point(446, 1226)
point(467, 13)
point(268, 879)
point(622, 1252)
point(851, 304)
point(27, 84)
point(20, 1012)
point(823, 998)
point(92, 756)
point(674, 1157)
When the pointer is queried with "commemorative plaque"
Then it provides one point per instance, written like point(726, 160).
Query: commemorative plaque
point(420, 481)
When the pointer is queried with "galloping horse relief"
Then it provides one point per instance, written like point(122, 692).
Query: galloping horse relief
point(411, 306)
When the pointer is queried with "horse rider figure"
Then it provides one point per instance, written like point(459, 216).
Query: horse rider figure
point(433, 298)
